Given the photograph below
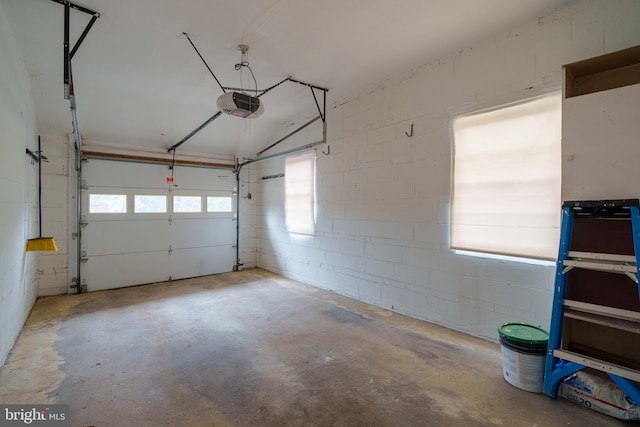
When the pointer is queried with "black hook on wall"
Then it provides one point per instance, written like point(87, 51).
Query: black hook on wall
point(328, 151)
point(410, 134)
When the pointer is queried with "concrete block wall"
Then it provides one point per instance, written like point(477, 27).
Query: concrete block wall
point(383, 197)
point(248, 217)
point(18, 213)
point(53, 267)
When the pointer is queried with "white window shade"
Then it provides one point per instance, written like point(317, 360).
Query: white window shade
point(299, 193)
point(506, 180)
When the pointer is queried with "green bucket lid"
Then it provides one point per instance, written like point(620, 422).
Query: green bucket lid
point(521, 332)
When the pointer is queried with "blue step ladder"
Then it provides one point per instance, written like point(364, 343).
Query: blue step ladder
point(562, 362)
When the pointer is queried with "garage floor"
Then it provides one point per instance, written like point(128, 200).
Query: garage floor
point(254, 349)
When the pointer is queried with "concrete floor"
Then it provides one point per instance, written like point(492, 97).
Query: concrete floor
point(254, 349)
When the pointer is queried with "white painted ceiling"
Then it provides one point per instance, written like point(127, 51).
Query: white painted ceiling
point(139, 82)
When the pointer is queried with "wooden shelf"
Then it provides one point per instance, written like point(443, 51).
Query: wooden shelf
point(611, 322)
point(604, 72)
point(597, 309)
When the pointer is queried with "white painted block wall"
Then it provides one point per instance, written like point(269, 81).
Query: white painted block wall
point(53, 267)
point(383, 198)
point(18, 197)
point(248, 217)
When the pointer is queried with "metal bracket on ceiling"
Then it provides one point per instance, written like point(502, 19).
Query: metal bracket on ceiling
point(69, 53)
point(259, 93)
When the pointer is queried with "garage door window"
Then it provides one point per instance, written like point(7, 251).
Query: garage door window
point(187, 204)
point(219, 204)
point(107, 203)
point(150, 204)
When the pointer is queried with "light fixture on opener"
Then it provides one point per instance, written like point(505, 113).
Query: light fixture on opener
point(241, 104)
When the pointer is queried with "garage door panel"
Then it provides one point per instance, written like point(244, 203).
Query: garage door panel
point(107, 173)
point(202, 232)
point(204, 179)
point(120, 270)
point(147, 244)
point(193, 262)
point(112, 237)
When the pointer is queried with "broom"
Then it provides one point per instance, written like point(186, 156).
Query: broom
point(40, 243)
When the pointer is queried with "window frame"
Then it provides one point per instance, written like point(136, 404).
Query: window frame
point(166, 205)
point(510, 112)
point(206, 204)
point(173, 204)
point(292, 166)
point(126, 203)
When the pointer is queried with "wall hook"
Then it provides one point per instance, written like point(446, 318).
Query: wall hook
point(410, 134)
point(328, 151)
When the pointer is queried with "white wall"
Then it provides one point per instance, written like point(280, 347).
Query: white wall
point(248, 217)
point(17, 195)
point(383, 198)
point(53, 267)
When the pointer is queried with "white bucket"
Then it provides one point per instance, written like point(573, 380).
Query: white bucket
point(525, 371)
point(524, 349)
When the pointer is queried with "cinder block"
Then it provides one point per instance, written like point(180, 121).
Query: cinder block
point(392, 295)
point(411, 274)
point(369, 155)
point(381, 135)
point(467, 318)
point(395, 230)
point(347, 283)
point(419, 304)
point(402, 152)
point(389, 191)
point(420, 257)
point(527, 275)
point(345, 160)
point(622, 30)
point(356, 177)
point(369, 290)
point(498, 293)
point(446, 285)
point(344, 226)
point(357, 210)
point(383, 251)
point(382, 174)
point(379, 268)
point(300, 270)
point(351, 247)
point(342, 262)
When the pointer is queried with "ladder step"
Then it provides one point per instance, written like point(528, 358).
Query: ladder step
point(602, 310)
point(600, 265)
point(610, 322)
point(590, 362)
point(602, 256)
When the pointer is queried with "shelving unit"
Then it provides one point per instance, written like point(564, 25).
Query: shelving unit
point(600, 126)
point(596, 308)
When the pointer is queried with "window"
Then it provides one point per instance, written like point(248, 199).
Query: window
point(107, 203)
point(219, 204)
point(150, 204)
point(299, 186)
point(506, 180)
point(187, 204)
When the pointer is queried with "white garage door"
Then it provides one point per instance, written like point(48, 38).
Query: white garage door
point(138, 229)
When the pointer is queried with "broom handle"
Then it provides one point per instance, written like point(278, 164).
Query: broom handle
point(39, 187)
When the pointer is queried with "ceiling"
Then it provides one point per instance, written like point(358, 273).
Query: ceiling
point(138, 82)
